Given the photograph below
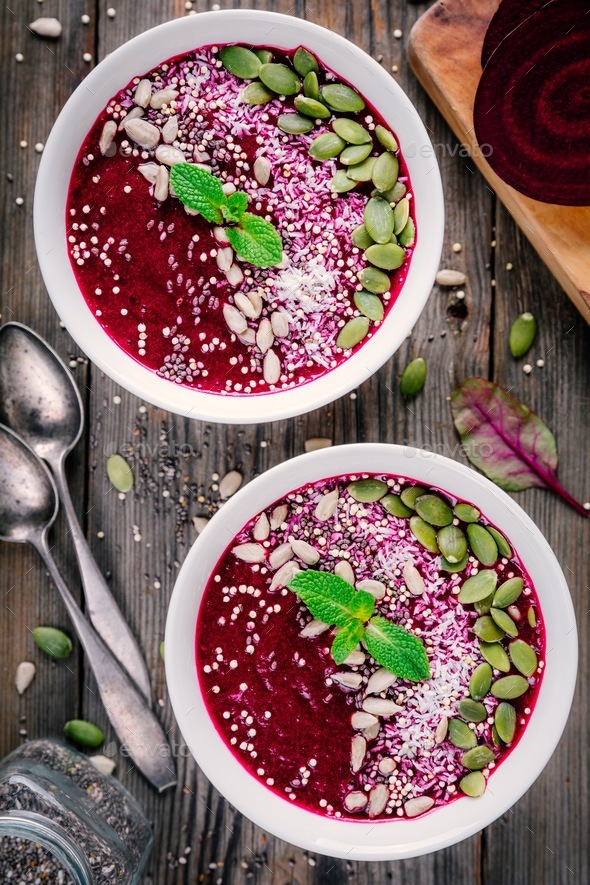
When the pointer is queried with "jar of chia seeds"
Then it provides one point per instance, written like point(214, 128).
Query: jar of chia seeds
point(62, 821)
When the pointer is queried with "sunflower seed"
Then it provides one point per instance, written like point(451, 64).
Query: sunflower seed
point(349, 680)
point(46, 27)
point(284, 575)
point(355, 154)
point(355, 659)
point(385, 174)
point(352, 333)
point(358, 748)
point(505, 721)
point(234, 275)
point(372, 731)
point(280, 555)
point(255, 93)
point(308, 554)
point(387, 256)
point(145, 134)
point(514, 612)
point(379, 681)
point(133, 114)
point(523, 657)
point(25, 673)
point(109, 130)
point(375, 588)
point(342, 98)
point(143, 93)
point(200, 522)
point(250, 304)
point(355, 801)
point(378, 219)
point(326, 146)
point(360, 720)
point(304, 62)
point(477, 758)
point(261, 170)
point(169, 155)
point(441, 730)
point(413, 579)
point(264, 336)
point(386, 138)
point(522, 334)
point(280, 323)
point(163, 97)
point(230, 483)
point(248, 338)
point(419, 805)
point(278, 516)
point(448, 277)
point(249, 552)
point(271, 367)
point(378, 798)
point(315, 443)
point(311, 86)
point(374, 280)
point(261, 529)
point(103, 763)
point(380, 706)
point(473, 784)
point(386, 765)
point(236, 321)
point(351, 131)
point(162, 184)
point(170, 129)
point(314, 628)
point(241, 62)
point(224, 260)
point(344, 570)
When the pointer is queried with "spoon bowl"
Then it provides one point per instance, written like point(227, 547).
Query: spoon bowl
point(28, 497)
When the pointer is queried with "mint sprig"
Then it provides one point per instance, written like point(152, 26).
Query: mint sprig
point(253, 238)
point(332, 600)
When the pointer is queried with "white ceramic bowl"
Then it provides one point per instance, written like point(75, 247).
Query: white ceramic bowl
point(144, 53)
point(399, 838)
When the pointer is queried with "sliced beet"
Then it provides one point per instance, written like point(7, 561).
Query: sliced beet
point(509, 15)
point(532, 107)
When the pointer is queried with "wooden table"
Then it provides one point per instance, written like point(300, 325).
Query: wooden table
point(199, 838)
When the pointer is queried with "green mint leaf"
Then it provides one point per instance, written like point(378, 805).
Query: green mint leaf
point(396, 649)
point(363, 605)
point(236, 206)
point(256, 241)
point(346, 640)
point(199, 190)
point(329, 598)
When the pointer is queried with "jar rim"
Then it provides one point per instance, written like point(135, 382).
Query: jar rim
point(33, 827)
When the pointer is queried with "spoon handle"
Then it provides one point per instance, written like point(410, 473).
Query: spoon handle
point(134, 722)
point(102, 608)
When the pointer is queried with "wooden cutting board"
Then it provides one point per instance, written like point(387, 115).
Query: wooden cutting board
point(444, 51)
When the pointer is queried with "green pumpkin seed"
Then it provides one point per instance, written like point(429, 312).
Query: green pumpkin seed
point(85, 733)
point(367, 490)
point(387, 257)
point(355, 154)
point(523, 657)
point(341, 183)
point(120, 474)
point(374, 280)
point(53, 642)
point(311, 108)
point(522, 334)
point(397, 192)
point(424, 533)
point(352, 333)
point(361, 238)
point(501, 542)
point(369, 305)
point(304, 62)
point(385, 172)
point(483, 606)
point(241, 62)
point(311, 86)
point(434, 510)
point(410, 494)
point(504, 621)
point(461, 736)
point(326, 146)
point(495, 655)
point(477, 758)
point(256, 93)
point(401, 213)
point(413, 378)
point(447, 566)
point(386, 138)
point(496, 738)
point(378, 218)
point(362, 171)
point(508, 592)
point(480, 682)
point(163, 650)
point(478, 586)
point(452, 543)
point(472, 711)
point(394, 505)
point(473, 784)
point(280, 79)
point(531, 616)
point(483, 546)
point(351, 131)
point(487, 629)
point(509, 687)
point(294, 124)
point(408, 235)
point(342, 98)
point(265, 55)
point(466, 512)
point(505, 721)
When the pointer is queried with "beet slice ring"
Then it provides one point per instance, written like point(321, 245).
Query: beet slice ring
point(532, 107)
point(509, 15)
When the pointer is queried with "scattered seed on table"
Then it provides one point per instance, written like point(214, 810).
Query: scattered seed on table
point(398, 34)
point(457, 247)
point(19, 201)
point(527, 369)
point(111, 12)
point(19, 57)
point(87, 57)
point(117, 400)
point(460, 294)
point(509, 266)
point(540, 363)
point(39, 147)
point(85, 19)
point(24, 143)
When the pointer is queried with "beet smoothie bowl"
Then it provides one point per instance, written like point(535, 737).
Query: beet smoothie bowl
point(224, 211)
point(371, 651)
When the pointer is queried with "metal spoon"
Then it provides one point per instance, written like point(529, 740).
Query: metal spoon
point(41, 403)
point(28, 507)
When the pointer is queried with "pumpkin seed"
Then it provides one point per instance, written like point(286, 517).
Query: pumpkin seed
point(496, 737)
point(472, 711)
point(508, 592)
point(355, 154)
point(394, 505)
point(361, 238)
point(522, 334)
point(279, 78)
point(495, 655)
point(454, 566)
point(342, 98)
point(241, 62)
point(504, 621)
point(413, 378)
point(461, 736)
point(487, 629)
point(353, 332)
point(508, 687)
point(523, 657)
point(326, 146)
point(434, 510)
point(53, 642)
point(387, 257)
point(480, 682)
point(265, 55)
point(401, 213)
point(367, 490)
point(386, 138)
point(505, 721)
point(386, 172)
point(483, 606)
point(120, 474)
point(531, 616)
point(424, 533)
point(477, 758)
point(478, 586)
point(351, 131)
point(311, 108)
point(362, 171)
point(304, 62)
point(341, 183)
point(256, 93)
point(452, 543)
point(311, 86)
point(163, 650)
point(466, 512)
point(501, 542)
point(397, 192)
point(294, 124)
point(378, 218)
point(85, 733)
point(369, 305)
point(374, 280)
point(410, 494)
point(408, 235)
point(482, 544)
point(473, 784)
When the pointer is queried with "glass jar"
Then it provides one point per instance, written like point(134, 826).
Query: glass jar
point(57, 810)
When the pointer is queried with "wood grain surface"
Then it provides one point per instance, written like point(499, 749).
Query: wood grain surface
point(199, 837)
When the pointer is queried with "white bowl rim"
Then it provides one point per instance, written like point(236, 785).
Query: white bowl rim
point(399, 838)
point(144, 52)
